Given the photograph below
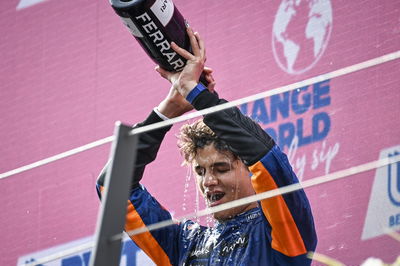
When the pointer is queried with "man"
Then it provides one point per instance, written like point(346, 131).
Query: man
point(223, 149)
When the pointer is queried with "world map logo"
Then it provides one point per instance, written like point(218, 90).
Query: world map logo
point(300, 34)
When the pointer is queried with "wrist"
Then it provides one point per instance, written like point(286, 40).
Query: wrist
point(187, 88)
point(171, 109)
point(195, 91)
point(166, 110)
point(160, 115)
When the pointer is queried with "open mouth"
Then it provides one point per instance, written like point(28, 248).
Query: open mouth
point(214, 197)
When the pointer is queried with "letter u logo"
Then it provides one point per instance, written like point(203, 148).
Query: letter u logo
point(394, 180)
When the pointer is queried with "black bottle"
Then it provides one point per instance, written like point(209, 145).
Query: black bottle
point(155, 24)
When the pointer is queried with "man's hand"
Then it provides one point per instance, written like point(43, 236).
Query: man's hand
point(174, 104)
point(183, 82)
point(190, 75)
point(188, 78)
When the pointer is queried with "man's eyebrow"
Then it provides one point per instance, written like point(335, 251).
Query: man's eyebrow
point(216, 164)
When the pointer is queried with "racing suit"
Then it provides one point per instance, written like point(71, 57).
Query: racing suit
point(278, 232)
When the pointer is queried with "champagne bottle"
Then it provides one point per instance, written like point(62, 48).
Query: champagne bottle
point(155, 24)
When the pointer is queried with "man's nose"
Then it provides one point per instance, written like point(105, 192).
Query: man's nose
point(209, 180)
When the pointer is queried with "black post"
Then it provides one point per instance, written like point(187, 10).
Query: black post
point(111, 219)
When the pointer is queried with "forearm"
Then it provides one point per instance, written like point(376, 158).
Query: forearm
point(148, 145)
point(244, 136)
point(171, 108)
point(290, 214)
point(271, 170)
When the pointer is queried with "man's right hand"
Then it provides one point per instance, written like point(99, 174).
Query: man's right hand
point(174, 103)
point(183, 82)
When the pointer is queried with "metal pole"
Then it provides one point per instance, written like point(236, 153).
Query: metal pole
point(111, 219)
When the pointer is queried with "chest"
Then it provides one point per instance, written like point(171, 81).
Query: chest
point(230, 245)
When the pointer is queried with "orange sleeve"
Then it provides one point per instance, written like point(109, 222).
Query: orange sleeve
point(286, 237)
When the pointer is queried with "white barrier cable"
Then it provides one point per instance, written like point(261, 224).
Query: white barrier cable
point(61, 254)
point(337, 73)
point(393, 234)
point(307, 82)
point(258, 197)
point(272, 193)
point(324, 259)
point(57, 157)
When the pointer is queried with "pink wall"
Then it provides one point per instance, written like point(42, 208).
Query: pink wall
point(69, 70)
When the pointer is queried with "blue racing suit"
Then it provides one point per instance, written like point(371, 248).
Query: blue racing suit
point(280, 231)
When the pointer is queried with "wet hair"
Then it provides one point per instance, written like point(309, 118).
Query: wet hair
point(197, 136)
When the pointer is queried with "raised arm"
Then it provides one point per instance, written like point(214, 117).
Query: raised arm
point(288, 216)
point(149, 142)
point(142, 208)
point(148, 145)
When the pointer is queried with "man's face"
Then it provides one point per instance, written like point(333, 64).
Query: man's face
point(221, 178)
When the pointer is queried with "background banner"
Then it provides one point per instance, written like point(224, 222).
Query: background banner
point(70, 69)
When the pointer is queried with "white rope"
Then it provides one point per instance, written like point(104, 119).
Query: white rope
point(57, 157)
point(258, 197)
point(307, 82)
point(61, 254)
point(272, 193)
point(392, 233)
point(326, 260)
point(340, 72)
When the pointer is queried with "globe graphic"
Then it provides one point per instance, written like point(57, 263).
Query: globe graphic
point(301, 32)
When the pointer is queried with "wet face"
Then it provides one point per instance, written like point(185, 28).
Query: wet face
point(222, 178)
